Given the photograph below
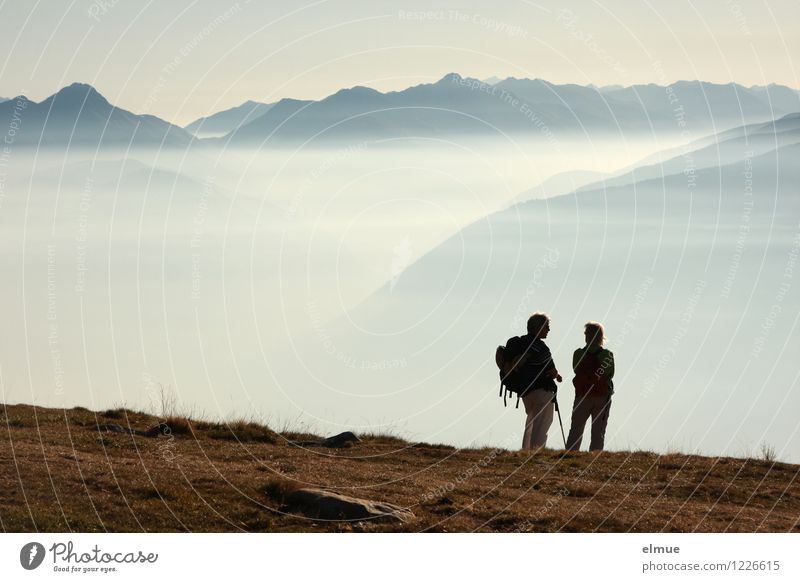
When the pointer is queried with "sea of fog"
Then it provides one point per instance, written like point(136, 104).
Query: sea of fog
point(224, 277)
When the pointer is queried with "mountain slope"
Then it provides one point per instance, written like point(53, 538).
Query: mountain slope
point(80, 116)
point(618, 214)
point(703, 104)
point(226, 121)
point(562, 183)
point(725, 148)
point(220, 477)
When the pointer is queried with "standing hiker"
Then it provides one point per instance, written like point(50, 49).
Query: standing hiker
point(594, 370)
point(533, 365)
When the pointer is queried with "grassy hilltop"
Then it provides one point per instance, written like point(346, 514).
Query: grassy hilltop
point(59, 473)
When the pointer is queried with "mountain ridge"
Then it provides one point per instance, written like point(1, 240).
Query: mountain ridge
point(450, 105)
point(78, 115)
point(524, 106)
point(223, 122)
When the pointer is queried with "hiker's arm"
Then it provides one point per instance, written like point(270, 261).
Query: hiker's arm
point(576, 359)
point(610, 368)
point(553, 372)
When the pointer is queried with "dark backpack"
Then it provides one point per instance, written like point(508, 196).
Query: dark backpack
point(510, 365)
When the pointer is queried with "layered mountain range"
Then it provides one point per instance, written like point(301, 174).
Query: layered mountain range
point(454, 105)
point(533, 107)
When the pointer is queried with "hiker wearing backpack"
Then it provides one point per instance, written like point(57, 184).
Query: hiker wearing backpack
point(594, 370)
point(527, 369)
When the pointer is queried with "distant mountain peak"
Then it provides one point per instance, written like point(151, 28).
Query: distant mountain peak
point(293, 101)
point(80, 93)
point(451, 78)
point(359, 91)
point(78, 86)
point(363, 90)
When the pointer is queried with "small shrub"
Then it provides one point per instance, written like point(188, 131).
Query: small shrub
point(768, 453)
point(167, 401)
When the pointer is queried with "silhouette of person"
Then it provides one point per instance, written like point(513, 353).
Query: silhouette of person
point(540, 373)
point(594, 370)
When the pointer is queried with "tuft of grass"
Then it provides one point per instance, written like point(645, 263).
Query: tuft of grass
point(580, 491)
point(116, 413)
point(299, 436)
point(384, 433)
point(243, 431)
point(442, 500)
point(18, 423)
point(434, 446)
point(148, 493)
point(178, 424)
point(768, 453)
point(442, 506)
point(382, 438)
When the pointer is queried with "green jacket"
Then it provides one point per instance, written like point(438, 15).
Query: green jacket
point(606, 357)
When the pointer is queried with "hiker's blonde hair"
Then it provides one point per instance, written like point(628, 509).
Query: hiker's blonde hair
point(597, 331)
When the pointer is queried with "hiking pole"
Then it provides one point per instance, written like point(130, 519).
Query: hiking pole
point(561, 424)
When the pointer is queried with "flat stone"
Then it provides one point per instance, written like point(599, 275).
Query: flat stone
point(339, 441)
point(327, 505)
point(344, 439)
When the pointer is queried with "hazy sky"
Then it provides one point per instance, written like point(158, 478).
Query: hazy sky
point(180, 60)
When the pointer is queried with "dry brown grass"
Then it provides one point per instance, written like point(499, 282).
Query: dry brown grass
point(243, 431)
point(178, 425)
point(57, 473)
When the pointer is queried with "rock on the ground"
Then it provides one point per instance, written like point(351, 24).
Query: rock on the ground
point(339, 441)
point(344, 439)
point(321, 504)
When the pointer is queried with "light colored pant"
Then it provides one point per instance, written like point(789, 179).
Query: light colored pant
point(598, 407)
point(539, 408)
